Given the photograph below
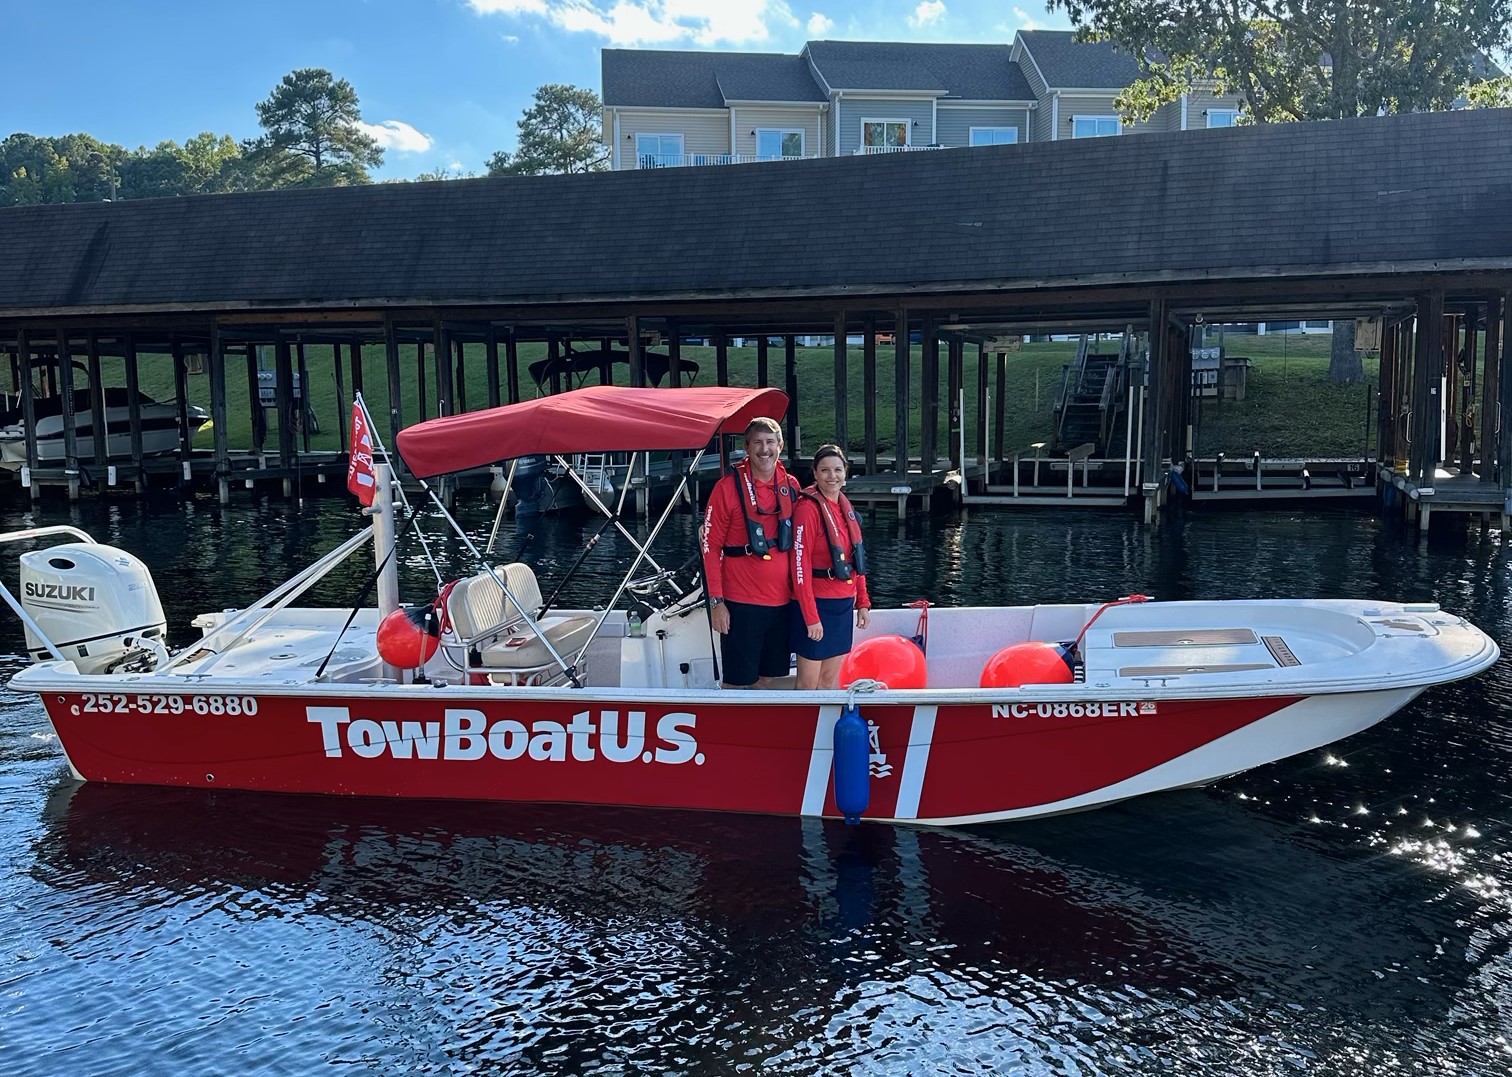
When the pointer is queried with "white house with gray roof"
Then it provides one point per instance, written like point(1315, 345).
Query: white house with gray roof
point(840, 98)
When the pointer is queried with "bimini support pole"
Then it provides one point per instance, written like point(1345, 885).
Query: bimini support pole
point(503, 501)
point(385, 534)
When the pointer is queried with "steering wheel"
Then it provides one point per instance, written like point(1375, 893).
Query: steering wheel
point(645, 588)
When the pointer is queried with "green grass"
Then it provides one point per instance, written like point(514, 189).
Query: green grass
point(1290, 408)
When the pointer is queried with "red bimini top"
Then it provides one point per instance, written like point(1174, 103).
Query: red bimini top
point(596, 418)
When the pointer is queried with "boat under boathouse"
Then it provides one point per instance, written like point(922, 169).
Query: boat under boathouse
point(259, 313)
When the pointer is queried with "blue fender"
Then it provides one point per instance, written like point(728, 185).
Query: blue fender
point(852, 764)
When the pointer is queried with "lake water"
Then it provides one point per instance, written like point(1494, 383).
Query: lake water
point(1343, 912)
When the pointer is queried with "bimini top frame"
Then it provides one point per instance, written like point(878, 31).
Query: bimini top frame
point(597, 418)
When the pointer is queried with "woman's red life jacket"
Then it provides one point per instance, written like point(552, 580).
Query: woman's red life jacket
point(840, 568)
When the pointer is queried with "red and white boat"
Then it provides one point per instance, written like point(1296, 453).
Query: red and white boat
point(597, 707)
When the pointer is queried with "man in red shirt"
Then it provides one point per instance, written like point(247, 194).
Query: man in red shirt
point(747, 539)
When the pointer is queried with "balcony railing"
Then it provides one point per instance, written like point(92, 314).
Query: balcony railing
point(698, 160)
point(867, 151)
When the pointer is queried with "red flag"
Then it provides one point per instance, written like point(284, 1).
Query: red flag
point(360, 479)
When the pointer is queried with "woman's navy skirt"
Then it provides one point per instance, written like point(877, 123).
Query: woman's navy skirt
point(835, 616)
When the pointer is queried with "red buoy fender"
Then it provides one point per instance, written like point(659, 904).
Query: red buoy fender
point(1028, 663)
point(893, 660)
point(409, 636)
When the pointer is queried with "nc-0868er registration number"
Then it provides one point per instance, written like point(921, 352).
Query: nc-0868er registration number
point(122, 703)
point(1110, 709)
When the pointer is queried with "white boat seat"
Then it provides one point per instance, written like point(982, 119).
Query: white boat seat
point(485, 620)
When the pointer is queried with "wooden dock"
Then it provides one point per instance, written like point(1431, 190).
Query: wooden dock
point(1452, 491)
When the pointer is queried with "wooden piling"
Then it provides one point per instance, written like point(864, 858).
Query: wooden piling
point(1490, 389)
point(869, 391)
point(218, 431)
point(70, 416)
point(901, 387)
point(134, 409)
point(842, 387)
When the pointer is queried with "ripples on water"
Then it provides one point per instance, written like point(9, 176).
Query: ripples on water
point(1340, 913)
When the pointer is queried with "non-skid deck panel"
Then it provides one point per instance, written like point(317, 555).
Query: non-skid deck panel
point(1190, 637)
point(1280, 651)
point(1178, 671)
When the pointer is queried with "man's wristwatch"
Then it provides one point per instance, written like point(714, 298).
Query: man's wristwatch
point(716, 601)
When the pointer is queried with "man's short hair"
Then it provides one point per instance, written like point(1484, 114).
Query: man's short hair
point(763, 425)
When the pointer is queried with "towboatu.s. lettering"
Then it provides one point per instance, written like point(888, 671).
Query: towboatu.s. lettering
point(467, 734)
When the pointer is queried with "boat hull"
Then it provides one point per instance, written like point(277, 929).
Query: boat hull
point(159, 431)
point(941, 764)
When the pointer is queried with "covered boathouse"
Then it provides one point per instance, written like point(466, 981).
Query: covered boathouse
point(1402, 219)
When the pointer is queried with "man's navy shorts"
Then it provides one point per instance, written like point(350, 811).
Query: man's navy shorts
point(758, 644)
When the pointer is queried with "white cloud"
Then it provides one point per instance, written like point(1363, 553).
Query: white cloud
point(928, 11)
point(511, 39)
point(508, 7)
point(398, 136)
point(654, 22)
point(1025, 22)
point(820, 24)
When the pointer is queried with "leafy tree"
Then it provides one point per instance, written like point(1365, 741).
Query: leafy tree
point(1303, 60)
point(204, 164)
point(69, 168)
point(443, 174)
point(1491, 93)
point(559, 133)
point(312, 135)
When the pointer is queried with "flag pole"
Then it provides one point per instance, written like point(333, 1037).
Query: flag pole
point(393, 479)
point(569, 668)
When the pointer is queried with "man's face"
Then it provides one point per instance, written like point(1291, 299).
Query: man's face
point(763, 447)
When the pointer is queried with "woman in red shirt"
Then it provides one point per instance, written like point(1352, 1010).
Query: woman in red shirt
point(829, 574)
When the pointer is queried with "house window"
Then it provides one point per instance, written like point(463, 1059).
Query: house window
point(1094, 126)
point(772, 144)
point(994, 136)
point(884, 134)
point(1222, 117)
point(658, 151)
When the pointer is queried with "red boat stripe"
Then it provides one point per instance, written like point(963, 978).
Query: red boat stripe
point(817, 786)
point(915, 763)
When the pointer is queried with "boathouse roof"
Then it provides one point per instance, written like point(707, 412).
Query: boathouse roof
point(1391, 195)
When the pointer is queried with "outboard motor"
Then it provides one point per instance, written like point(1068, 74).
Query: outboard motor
point(97, 604)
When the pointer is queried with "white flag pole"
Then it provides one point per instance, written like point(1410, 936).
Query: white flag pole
point(398, 486)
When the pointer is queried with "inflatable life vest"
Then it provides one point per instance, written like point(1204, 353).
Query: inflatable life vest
point(758, 543)
point(840, 568)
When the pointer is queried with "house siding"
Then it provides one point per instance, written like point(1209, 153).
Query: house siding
point(1026, 65)
point(1043, 117)
point(703, 132)
point(750, 118)
point(853, 110)
point(955, 123)
point(1167, 117)
point(1100, 104)
point(1202, 99)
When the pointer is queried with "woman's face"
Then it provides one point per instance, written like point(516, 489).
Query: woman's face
point(829, 476)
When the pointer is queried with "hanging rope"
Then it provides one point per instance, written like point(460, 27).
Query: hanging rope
point(1127, 600)
point(921, 630)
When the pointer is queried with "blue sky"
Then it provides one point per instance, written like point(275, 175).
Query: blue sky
point(443, 82)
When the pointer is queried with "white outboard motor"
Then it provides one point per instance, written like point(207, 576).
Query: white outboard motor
point(97, 604)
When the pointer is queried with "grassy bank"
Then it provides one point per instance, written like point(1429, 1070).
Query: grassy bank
point(1290, 408)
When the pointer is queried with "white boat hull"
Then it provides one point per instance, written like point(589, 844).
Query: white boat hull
point(650, 728)
point(160, 435)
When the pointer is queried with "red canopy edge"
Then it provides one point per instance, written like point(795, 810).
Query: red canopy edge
point(596, 418)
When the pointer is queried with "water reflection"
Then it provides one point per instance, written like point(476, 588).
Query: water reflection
point(564, 939)
point(1342, 912)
